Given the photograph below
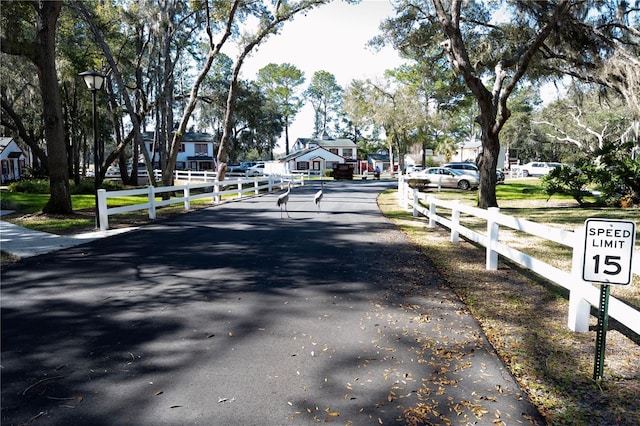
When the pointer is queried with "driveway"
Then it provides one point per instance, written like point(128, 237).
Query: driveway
point(234, 316)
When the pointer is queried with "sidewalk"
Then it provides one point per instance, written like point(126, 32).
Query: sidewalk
point(23, 242)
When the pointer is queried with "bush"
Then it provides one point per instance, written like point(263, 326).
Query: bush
point(41, 186)
point(30, 186)
point(567, 181)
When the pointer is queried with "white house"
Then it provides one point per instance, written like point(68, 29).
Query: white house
point(345, 148)
point(12, 160)
point(196, 151)
point(315, 158)
point(469, 149)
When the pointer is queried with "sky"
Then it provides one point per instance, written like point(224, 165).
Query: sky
point(332, 38)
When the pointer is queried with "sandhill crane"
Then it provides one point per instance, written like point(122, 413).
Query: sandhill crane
point(283, 199)
point(318, 197)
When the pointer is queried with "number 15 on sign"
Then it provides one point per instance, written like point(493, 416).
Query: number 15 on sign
point(608, 251)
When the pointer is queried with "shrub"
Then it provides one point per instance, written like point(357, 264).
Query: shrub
point(41, 186)
point(568, 181)
point(30, 186)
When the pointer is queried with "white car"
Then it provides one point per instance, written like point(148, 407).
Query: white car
point(536, 168)
point(411, 170)
point(257, 170)
point(447, 178)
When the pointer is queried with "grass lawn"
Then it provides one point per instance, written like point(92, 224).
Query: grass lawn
point(525, 316)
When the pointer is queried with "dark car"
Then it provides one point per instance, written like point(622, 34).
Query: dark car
point(343, 171)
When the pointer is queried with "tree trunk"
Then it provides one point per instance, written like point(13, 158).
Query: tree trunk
point(47, 13)
point(487, 162)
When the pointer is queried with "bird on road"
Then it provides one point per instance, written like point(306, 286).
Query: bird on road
point(318, 197)
point(283, 199)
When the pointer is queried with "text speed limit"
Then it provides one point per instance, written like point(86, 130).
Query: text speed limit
point(608, 251)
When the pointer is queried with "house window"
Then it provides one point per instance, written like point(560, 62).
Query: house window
point(183, 148)
point(333, 151)
point(347, 152)
point(201, 149)
point(5, 167)
point(302, 165)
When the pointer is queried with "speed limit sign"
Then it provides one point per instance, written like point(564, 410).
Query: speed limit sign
point(608, 251)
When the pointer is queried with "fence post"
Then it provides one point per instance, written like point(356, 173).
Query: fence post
point(102, 209)
point(415, 202)
point(216, 191)
point(239, 187)
point(187, 200)
point(255, 184)
point(403, 193)
point(492, 237)
point(455, 221)
point(152, 202)
point(579, 308)
point(432, 211)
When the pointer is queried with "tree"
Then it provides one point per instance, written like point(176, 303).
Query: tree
point(33, 38)
point(394, 107)
point(281, 82)
point(21, 106)
point(270, 21)
point(325, 95)
point(493, 56)
point(596, 129)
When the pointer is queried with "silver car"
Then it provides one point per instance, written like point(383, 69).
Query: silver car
point(447, 178)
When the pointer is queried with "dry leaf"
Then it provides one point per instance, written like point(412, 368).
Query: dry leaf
point(332, 413)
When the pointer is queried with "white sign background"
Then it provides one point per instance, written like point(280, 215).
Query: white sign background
point(608, 251)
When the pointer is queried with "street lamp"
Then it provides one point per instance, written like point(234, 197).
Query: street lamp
point(94, 80)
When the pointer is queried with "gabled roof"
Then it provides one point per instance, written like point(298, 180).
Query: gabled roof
point(187, 137)
point(322, 153)
point(328, 143)
point(6, 142)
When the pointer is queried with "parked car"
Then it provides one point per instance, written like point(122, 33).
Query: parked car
point(536, 168)
point(343, 171)
point(409, 170)
point(472, 168)
point(448, 178)
point(114, 171)
point(257, 170)
point(243, 166)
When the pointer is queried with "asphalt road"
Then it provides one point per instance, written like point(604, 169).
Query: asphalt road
point(234, 316)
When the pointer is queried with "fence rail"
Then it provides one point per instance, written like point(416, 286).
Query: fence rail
point(582, 295)
point(205, 189)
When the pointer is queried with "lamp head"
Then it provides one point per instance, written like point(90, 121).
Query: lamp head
point(93, 79)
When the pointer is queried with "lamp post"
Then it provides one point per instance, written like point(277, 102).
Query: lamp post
point(94, 81)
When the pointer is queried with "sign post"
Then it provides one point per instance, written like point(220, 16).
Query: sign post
point(608, 252)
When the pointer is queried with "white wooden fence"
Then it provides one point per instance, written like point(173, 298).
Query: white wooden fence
point(582, 294)
point(213, 189)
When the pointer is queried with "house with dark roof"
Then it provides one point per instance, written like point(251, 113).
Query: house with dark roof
point(345, 148)
point(314, 159)
point(196, 151)
point(12, 160)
